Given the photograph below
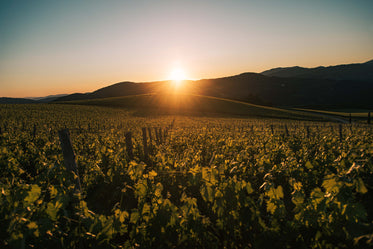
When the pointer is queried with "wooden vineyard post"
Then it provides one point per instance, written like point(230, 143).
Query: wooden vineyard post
point(69, 156)
point(350, 119)
point(160, 135)
point(156, 135)
point(340, 133)
point(272, 129)
point(308, 131)
point(286, 130)
point(158, 132)
point(171, 125)
point(165, 134)
point(150, 134)
point(145, 143)
point(50, 134)
point(368, 117)
point(34, 132)
point(150, 139)
point(128, 136)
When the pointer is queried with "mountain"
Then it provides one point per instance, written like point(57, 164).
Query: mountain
point(5, 100)
point(291, 92)
point(343, 86)
point(30, 100)
point(256, 88)
point(116, 90)
point(48, 98)
point(358, 71)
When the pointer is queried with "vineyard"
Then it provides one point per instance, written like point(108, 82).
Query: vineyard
point(190, 182)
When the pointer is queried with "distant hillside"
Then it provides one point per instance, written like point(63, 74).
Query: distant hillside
point(48, 98)
point(257, 89)
point(291, 92)
point(187, 104)
point(358, 71)
point(116, 90)
point(17, 101)
point(262, 89)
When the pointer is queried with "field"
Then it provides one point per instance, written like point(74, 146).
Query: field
point(196, 105)
point(241, 181)
point(355, 113)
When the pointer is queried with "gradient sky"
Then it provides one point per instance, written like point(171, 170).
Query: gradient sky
point(52, 47)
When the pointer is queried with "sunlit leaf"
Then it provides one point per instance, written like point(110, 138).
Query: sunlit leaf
point(249, 188)
point(309, 165)
point(271, 207)
point(134, 217)
point(33, 194)
point(32, 225)
point(360, 186)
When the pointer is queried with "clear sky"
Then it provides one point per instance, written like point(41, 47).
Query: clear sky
point(51, 47)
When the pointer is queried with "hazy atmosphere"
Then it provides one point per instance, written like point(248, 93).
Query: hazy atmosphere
point(186, 124)
point(52, 47)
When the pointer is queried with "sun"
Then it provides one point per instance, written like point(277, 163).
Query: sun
point(177, 75)
point(177, 79)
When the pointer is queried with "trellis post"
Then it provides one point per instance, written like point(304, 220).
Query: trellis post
point(69, 156)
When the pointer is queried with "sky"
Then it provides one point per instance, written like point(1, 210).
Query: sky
point(54, 47)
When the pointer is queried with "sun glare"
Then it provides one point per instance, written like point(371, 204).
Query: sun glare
point(177, 78)
point(177, 74)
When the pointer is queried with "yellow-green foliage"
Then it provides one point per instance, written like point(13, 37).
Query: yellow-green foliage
point(212, 183)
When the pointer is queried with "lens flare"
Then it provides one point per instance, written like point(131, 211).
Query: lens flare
point(177, 77)
point(177, 74)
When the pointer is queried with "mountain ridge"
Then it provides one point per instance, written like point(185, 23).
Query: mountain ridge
point(269, 88)
point(355, 71)
point(257, 89)
point(6, 100)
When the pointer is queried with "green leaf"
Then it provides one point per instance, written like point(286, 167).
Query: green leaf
point(158, 190)
point(134, 217)
point(141, 189)
point(249, 188)
point(331, 185)
point(317, 195)
point(218, 194)
point(123, 215)
point(52, 210)
point(146, 209)
point(33, 194)
point(360, 186)
point(271, 207)
point(279, 193)
point(309, 165)
point(205, 173)
point(53, 191)
point(207, 193)
point(32, 225)
point(152, 174)
point(275, 193)
point(298, 198)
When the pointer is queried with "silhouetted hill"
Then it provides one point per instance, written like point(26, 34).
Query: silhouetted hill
point(116, 90)
point(5, 100)
point(74, 96)
point(262, 89)
point(291, 92)
point(47, 99)
point(358, 71)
